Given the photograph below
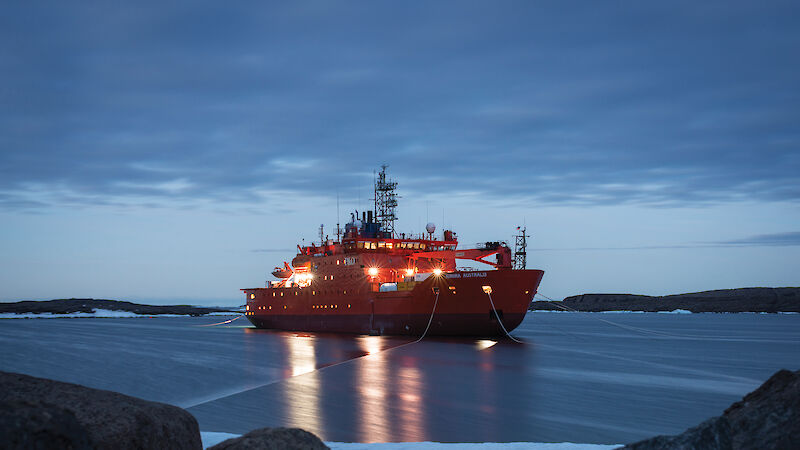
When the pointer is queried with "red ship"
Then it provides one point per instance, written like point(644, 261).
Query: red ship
point(372, 280)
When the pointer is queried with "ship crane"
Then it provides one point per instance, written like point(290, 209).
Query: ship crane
point(475, 254)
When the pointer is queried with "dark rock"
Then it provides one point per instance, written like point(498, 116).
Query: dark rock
point(89, 305)
point(25, 425)
point(713, 434)
point(110, 420)
point(273, 439)
point(769, 300)
point(767, 418)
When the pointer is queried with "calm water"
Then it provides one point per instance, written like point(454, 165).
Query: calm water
point(579, 377)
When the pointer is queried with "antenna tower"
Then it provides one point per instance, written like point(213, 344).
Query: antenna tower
point(385, 202)
point(521, 244)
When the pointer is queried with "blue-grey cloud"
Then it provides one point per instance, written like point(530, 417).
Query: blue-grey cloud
point(563, 103)
point(774, 239)
point(791, 238)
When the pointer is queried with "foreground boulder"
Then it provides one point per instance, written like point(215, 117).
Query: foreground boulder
point(40, 413)
point(767, 418)
point(25, 425)
point(273, 439)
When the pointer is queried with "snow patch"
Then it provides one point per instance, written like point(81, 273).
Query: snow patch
point(98, 313)
point(675, 311)
point(469, 446)
point(212, 438)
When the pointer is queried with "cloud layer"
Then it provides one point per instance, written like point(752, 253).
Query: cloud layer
point(569, 103)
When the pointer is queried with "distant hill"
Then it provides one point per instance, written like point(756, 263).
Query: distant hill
point(770, 300)
point(89, 305)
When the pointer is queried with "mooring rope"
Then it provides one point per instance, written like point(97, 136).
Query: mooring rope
point(430, 320)
point(624, 327)
point(221, 323)
point(499, 320)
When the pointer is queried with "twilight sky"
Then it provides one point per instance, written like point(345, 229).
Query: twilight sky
point(178, 152)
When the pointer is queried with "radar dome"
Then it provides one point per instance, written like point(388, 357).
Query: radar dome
point(430, 227)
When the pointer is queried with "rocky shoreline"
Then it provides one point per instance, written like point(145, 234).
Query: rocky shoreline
point(90, 305)
point(767, 300)
point(41, 413)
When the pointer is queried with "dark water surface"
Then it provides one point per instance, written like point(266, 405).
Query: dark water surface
point(579, 377)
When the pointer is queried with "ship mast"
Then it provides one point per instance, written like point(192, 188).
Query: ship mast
point(385, 202)
point(520, 255)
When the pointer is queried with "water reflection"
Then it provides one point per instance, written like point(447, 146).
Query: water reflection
point(362, 389)
point(412, 406)
point(302, 392)
point(372, 383)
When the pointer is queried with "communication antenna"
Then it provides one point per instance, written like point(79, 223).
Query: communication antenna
point(338, 230)
point(520, 246)
point(385, 202)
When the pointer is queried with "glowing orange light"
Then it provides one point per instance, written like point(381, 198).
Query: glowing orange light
point(373, 271)
point(437, 271)
point(409, 272)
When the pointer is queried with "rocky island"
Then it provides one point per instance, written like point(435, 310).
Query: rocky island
point(767, 300)
point(90, 305)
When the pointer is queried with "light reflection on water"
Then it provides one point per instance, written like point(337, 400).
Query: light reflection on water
point(372, 382)
point(368, 389)
point(303, 396)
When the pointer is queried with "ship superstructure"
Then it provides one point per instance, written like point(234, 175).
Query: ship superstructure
point(373, 280)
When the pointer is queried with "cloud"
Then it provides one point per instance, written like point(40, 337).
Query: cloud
point(791, 238)
point(636, 103)
point(774, 239)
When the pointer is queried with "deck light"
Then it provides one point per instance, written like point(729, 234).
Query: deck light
point(437, 271)
point(487, 289)
point(373, 271)
point(409, 272)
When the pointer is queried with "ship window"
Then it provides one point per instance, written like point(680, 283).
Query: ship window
point(389, 245)
point(381, 244)
point(331, 277)
point(337, 262)
point(252, 296)
point(374, 246)
point(273, 294)
point(422, 246)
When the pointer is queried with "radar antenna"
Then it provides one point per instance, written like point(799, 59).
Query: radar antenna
point(385, 202)
point(521, 244)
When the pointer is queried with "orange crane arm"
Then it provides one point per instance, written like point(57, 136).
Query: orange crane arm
point(473, 254)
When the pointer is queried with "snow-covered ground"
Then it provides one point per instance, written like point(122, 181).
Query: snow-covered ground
point(213, 438)
point(674, 311)
point(105, 313)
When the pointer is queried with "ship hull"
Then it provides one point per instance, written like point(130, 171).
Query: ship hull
point(455, 304)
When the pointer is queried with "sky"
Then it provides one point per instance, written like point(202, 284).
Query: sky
point(177, 152)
